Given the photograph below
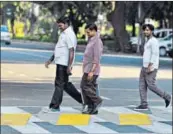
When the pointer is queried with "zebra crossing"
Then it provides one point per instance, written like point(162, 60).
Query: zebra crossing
point(110, 120)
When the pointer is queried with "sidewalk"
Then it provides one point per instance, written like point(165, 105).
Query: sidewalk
point(110, 120)
point(80, 48)
point(46, 46)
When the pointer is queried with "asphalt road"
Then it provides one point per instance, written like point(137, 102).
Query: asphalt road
point(25, 81)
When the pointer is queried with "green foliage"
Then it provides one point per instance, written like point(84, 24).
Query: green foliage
point(82, 42)
point(79, 12)
point(46, 39)
point(45, 25)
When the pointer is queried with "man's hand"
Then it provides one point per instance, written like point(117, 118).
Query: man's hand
point(69, 69)
point(149, 69)
point(90, 75)
point(47, 64)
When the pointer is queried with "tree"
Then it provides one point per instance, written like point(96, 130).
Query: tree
point(164, 13)
point(74, 10)
point(20, 11)
point(8, 13)
point(131, 14)
point(117, 18)
point(79, 12)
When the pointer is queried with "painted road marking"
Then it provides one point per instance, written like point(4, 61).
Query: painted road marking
point(73, 119)
point(134, 119)
point(15, 119)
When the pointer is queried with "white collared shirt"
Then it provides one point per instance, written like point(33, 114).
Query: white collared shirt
point(67, 40)
point(151, 53)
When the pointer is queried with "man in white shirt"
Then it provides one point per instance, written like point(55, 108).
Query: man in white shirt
point(64, 58)
point(149, 69)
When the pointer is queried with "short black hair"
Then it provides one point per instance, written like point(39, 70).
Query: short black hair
point(91, 27)
point(64, 20)
point(150, 26)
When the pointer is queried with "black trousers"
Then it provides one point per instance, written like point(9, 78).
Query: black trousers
point(89, 88)
point(62, 84)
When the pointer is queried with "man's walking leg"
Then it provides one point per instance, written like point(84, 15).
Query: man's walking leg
point(73, 92)
point(142, 91)
point(97, 88)
point(143, 87)
point(151, 82)
point(86, 101)
point(59, 86)
point(90, 92)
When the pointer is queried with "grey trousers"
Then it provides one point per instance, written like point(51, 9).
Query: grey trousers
point(89, 90)
point(148, 80)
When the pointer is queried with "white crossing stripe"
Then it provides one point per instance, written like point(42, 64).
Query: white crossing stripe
point(11, 110)
point(159, 128)
point(105, 98)
point(95, 128)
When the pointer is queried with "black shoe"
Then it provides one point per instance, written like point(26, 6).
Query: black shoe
point(141, 107)
point(91, 106)
point(96, 107)
point(167, 102)
point(95, 112)
point(86, 109)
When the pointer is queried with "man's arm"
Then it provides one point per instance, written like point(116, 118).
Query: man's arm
point(94, 65)
point(49, 61)
point(52, 58)
point(70, 61)
point(154, 54)
point(70, 43)
point(97, 56)
point(71, 57)
point(96, 61)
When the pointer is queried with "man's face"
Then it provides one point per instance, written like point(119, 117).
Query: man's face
point(147, 32)
point(90, 33)
point(62, 26)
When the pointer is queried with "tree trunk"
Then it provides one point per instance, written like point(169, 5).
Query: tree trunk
point(171, 21)
point(54, 33)
point(166, 24)
point(73, 21)
point(12, 27)
point(133, 28)
point(2, 17)
point(32, 20)
point(118, 23)
point(117, 44)
point(160, 24)
point(32, 26)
